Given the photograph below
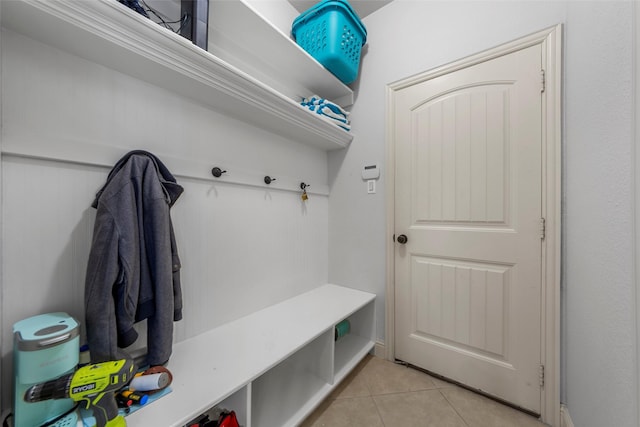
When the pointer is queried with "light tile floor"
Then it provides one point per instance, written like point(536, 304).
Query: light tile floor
point(380, 393)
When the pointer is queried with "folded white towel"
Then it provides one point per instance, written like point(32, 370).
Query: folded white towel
point(327, 110)
point(316, 100)
point(345, 126)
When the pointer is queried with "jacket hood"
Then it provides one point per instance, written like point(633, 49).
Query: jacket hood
point(168, 181)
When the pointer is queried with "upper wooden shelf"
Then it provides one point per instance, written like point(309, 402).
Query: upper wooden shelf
point(108, 33)
point(239, 35)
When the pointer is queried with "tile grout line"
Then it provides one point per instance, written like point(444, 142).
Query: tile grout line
point(390, 393)
point(372, 397)
point(454, 408)
point(378, 411)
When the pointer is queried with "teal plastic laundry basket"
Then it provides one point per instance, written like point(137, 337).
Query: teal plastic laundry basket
point(333, 34)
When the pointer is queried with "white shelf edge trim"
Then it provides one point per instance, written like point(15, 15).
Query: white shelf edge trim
point(108, 33)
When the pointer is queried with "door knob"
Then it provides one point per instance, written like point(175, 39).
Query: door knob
point(402, 239)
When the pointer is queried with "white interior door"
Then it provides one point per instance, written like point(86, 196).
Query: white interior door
point(468, 191)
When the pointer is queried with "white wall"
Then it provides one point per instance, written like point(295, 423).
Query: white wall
point(408, 37)
point(280, 13)
point(242, 248)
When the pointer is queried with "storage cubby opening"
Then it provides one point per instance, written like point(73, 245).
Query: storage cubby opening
point(237, 402)
point(352, 346)
point(283, 395)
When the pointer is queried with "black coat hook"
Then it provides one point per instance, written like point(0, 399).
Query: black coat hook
point(217, 172)
point(268, 180)
point(304, 186)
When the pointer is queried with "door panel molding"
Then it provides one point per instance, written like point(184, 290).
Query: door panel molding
point(550, 40)
point(458, 293)
point(455, 194)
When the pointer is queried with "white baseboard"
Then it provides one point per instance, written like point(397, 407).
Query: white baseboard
point(379, 350)
point(565, 419)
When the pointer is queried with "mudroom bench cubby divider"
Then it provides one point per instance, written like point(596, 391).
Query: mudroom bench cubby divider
point(272, 367)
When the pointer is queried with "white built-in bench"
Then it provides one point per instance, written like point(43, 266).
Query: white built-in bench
point(273, 367)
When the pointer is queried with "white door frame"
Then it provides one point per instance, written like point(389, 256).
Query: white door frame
point(636, 170)
point(550, 40)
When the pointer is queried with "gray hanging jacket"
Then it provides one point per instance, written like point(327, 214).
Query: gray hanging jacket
point(133, 271)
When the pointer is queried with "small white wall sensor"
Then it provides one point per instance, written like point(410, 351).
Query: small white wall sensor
point(370, 172)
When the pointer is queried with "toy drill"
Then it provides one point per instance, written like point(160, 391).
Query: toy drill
point(93, 384)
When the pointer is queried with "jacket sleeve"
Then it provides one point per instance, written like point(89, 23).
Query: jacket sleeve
point(158, 232)
point(105, 283)
point(177, 286)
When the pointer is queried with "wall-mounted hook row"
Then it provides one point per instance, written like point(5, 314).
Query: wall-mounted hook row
point(182, 168)
point(254, 180)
